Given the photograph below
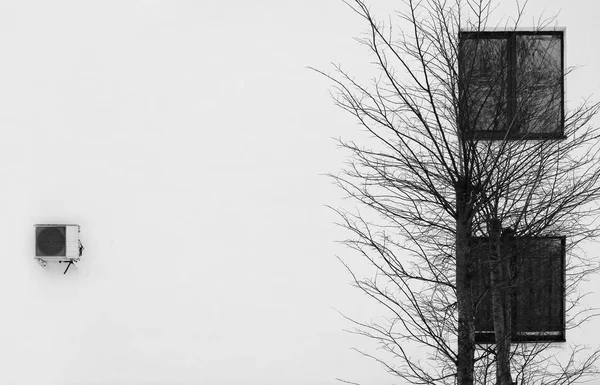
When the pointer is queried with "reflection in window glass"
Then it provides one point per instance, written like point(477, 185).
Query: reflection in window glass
point(485, 64)
point(539, 83)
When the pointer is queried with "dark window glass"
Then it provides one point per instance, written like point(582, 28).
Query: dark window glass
point(538, 83)
point(486, 85)
point(539, 297)
point(512, 84)
point(536, 288)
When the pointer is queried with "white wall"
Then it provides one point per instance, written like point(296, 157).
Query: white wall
point(188, 139)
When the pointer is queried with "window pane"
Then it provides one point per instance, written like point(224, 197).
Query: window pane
point(539, 83)
point(539, 285)
point(484, 81)
point(482, 285)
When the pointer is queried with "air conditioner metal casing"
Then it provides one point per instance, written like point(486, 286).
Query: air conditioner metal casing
point(52, 250)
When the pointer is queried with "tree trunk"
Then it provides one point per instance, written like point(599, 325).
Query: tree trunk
point(500, 303)
point(464, 296)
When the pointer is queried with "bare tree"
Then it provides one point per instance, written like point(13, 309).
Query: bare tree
point(432, 181)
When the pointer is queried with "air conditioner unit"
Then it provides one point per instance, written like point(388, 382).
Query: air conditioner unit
point(57, 243)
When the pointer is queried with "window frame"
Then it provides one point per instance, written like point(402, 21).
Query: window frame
point(487, 336)
point(510, 132)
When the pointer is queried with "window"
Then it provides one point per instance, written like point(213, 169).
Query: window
point(536, 289)
point(512, 85)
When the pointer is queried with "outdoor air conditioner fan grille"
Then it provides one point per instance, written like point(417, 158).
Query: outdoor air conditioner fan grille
point(50, 241)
